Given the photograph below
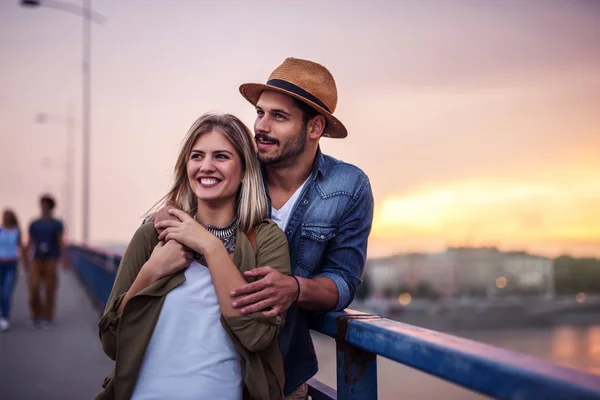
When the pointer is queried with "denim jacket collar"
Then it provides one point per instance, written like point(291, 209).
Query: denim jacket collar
point(319, 168)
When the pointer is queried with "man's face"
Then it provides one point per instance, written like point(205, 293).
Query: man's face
point(279, 132)
point(46, 209)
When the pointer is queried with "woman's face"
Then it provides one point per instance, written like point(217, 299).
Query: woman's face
point(214, 168)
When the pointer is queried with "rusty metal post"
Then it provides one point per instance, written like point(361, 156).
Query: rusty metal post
point(356, 368)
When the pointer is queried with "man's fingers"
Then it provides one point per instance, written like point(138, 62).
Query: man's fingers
point(162, 236)
point(182, 215)
point(167, 234)
point(261, 271)
point(250, 299)
point(166, 224)
point(249, 288)
point(261, 305)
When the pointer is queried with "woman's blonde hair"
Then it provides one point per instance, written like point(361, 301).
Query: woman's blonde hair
point(251, 200)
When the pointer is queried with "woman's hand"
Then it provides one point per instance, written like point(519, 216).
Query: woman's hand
point(167, 259)
point(186, 231)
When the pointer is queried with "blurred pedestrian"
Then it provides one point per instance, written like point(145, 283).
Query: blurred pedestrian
point(11, 249)
point(48, 246)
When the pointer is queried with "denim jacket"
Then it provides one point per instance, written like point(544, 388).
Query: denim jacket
point(327, 234)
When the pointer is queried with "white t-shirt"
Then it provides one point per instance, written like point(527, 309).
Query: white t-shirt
point(282, 216)
point(190, 356)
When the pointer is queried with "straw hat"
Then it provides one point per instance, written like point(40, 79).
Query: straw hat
point(306, 81)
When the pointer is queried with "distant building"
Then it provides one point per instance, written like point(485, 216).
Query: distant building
point(407, 271)
point(529, 273)
point(482, 271)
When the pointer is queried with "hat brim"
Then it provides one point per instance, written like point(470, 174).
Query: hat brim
point(334, 128)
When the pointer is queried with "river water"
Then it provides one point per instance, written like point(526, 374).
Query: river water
point(572, 346)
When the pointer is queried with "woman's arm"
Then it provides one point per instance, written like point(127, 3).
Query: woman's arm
point(256, 331)
point(225, 275)
point(22, 251)
point(145, 261)
point(166, 259)
point(137, 253)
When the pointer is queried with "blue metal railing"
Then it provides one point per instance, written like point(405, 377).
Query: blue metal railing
point(361, 337)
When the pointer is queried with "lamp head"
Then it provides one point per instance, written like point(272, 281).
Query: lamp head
point(30, 3)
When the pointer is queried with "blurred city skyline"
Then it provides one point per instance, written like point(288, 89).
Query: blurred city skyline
point(477, 122)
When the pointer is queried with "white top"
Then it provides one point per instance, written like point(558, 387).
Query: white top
point(190, 355)
point(282, 216)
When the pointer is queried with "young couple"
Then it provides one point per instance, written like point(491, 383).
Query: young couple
point(213, 294)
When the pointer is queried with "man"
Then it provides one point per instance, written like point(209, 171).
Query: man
point(46, 242)
point(324, 206)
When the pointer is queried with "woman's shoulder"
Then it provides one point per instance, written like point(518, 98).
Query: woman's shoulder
point(143, 242)
point(145, 232)
point(268, 228)
point(270, 236)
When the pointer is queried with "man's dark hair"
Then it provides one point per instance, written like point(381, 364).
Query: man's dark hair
point(308, 112)
point(49, 201)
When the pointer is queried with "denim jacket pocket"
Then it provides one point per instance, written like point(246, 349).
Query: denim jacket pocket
point(313, 244)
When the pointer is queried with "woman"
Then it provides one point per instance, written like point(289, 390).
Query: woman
point(169, 323)
point(11, 246)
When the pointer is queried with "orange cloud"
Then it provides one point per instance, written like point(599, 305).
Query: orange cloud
point(509, 213)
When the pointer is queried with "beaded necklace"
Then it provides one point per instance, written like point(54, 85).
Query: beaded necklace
point(226, 235)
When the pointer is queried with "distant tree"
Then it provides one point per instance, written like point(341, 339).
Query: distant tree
point(574, 275)
point(425, 290)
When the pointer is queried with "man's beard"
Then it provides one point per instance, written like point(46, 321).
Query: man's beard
point(290, 150)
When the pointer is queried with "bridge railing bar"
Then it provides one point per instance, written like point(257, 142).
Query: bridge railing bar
point(496, 372)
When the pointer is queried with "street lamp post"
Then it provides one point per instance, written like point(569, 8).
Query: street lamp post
point(69, 123)
point(88, 17)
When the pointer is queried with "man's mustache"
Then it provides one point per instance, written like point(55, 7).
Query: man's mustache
point(266, 138)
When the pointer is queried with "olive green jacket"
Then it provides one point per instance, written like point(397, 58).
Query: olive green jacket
point(126, 337)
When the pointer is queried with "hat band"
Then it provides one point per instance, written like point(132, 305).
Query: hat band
point(290, 87)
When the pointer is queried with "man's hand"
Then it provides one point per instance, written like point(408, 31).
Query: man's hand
point(163, 215)
point(273, 294)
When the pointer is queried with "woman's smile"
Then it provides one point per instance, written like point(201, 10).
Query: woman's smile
point(208, 182)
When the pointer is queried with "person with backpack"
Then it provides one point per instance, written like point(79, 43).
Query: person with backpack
point(169, 323)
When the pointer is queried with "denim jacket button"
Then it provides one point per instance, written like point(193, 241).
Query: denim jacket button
point(322, 236)
point(305, 202)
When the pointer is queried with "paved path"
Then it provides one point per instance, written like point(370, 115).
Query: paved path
point(65, 363)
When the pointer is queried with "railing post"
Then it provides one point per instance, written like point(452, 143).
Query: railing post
point(356, 368)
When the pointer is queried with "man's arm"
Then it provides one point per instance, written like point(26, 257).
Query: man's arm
point(62, 245)
point(345, 258)
point(334, 287)
point(318, 294)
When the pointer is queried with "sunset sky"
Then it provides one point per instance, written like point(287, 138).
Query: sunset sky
point(477, 122)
